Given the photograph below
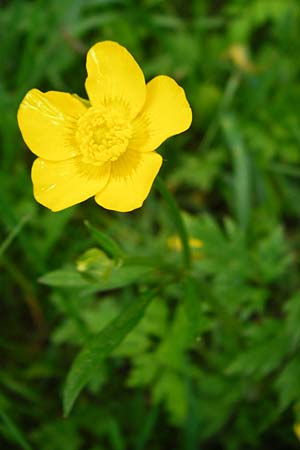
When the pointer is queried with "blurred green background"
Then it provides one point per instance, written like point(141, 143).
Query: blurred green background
point(215, 362)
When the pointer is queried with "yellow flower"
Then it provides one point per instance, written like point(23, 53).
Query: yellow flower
point(175, 243)
point(195, 245)
point(104, 147)
point(240, 57)
point(297, 430)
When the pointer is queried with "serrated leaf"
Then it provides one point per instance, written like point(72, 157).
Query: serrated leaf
point(89, 360)
point(171, 389)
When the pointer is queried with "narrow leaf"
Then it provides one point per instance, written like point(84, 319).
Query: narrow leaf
point(119, 278)
point(90, 358)
point(14, 431)
point(176, 216)
point(241, 168)
point(64, 278)
point(106, 243)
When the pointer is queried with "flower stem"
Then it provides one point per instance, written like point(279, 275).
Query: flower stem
point(178, 221)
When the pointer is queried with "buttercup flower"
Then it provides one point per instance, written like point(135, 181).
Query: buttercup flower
point(105, 147)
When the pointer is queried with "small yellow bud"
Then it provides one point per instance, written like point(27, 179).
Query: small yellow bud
point(239, 55)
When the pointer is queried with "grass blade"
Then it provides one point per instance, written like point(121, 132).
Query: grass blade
point(15, 231)
point(14, 431)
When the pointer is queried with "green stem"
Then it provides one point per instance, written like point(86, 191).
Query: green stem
point(229, 93)
point(177, 218)
point(12, 235)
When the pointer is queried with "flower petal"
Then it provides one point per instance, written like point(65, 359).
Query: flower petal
point(58, 185)
point(130, 181)
point(114, 75)
point(47, 122)
point(166, 112)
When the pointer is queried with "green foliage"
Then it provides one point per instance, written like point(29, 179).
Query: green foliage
point(212, 361)
point(10, 429)
point(89, 359)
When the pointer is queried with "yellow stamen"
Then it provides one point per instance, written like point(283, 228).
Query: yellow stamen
point(103, 135)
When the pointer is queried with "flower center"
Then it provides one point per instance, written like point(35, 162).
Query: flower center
point(102, 135)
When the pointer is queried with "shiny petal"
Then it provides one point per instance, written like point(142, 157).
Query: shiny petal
point(130, 181)
point(47, 122)
point(114, 76)
point(166, 112)
point(58, 185)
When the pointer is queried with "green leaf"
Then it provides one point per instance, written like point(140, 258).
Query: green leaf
point(292, 330)
point(176, 217)
point(287, 383)
point(241, 169)
point(64, 278)
point(13, 431)
point(89, 360)
point(98, 273)
point(170, 388)
point(119, 277)
point(192, 299)
point(106, 243)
